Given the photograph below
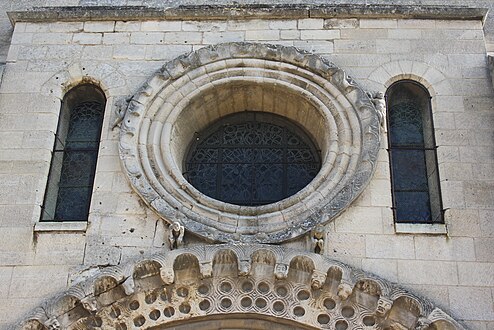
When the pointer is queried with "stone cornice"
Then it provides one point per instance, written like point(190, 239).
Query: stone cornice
point(237, 11)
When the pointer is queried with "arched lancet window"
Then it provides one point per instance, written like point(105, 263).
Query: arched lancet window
point(412, 151)
point(252, 158)
point(73, 163)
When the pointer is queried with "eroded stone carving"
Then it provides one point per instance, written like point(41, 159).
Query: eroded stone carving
point(176, 235)
point(303, 301)
point(256, 68)
point(317, 239)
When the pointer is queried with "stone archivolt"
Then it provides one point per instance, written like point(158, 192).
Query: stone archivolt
point(215, 285)
point(194, 90)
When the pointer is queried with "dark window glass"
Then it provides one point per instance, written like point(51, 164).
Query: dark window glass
point(73, 165)
point(415, 180)
point(252, 158)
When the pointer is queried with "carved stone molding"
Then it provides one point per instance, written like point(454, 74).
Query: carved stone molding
point(201, 283)
point(190, 92)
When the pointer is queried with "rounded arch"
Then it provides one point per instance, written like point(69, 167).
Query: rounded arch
point(361, 300)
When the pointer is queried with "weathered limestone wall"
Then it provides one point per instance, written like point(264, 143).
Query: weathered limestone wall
point(448, 57)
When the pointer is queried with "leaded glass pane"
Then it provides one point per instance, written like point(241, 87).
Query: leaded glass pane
point(413, 206)
point(249, 161)
point(406, 124)
point(73, 203)
point(409, 169)
point(78, 168)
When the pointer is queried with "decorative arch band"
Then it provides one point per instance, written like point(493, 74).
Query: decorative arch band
point(304, 290)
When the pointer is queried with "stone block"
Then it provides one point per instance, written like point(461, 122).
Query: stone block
point(37, 27)
point(393, 46)
point(452, 193)
point(387, 269)
point(283, 25)
point(99, 26)
point(444, 248)
point(416, 24)
point(116, 38)
point(406, 33)
point(463, 223)
point(38, 281)
point(456, 171)
point(486, 220)
point(476, 273)
point(22, 38)
point(476, 154)
point(129, 52)
point(319, 34)
point(378, 23)
point(52, 38)
point(389, 247)
point(66, 26)
point(311, 24)
point(339, 23)
point(438, 294)
point(242, 25)
point(484, 247)
point(427, 272)
point(261, 35)
point(319, 47)
point(183, 37)
point(471, 303)
point(161, 26)
point(479, 194)
point(363, 34)
point(205, 26)
point(360, 220)
point(59, 248)
point(219, 37)
point(127, 26)
point(347, 245)
point(99, 252)
point(147, 38)
point(289, 34)
point(5, 280)
point(87, 38)
point(355, 46)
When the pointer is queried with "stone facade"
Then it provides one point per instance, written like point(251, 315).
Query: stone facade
point(444, 49)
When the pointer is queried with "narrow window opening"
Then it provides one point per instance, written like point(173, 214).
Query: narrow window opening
point(412, 152)
point(73, 164)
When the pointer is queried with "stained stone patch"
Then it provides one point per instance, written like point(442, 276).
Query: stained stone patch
point(189, 93)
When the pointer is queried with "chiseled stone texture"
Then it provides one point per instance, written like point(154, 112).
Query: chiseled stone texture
point(448, 57)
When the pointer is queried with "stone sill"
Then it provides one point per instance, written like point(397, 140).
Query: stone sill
point(68, 226)
point(244, 11)
point(421, 228)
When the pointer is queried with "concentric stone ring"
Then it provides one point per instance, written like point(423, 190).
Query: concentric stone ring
point(196, 89)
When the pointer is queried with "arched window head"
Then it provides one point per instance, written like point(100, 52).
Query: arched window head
point(252, 158)
point(73, 163)
point(412, 152)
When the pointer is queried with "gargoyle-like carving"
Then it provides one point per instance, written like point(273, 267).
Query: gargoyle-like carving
point(206, 269)
point(119, 112)
point(244, 267)
point(317, 239)
point(90, 304)
point(377, 99)
point(281, 271)
point(318, 279)
point(129, 286)
point(344, 291)
point(383, 306)
point(167, 275)
point(176, 235)
point(422, 323)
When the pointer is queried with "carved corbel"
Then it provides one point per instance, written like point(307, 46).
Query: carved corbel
point(244, 267)
point(281, 271)
point(344, 291)
point(317, 239)
point(377, 99)
point(167, 275)
point(318, 279)
point(129, 286)
point(176, 235)
point(53, 324)
point(423, 323)
point(90, 304)
point(206, 269)
point(383, 306)
point(119, 112)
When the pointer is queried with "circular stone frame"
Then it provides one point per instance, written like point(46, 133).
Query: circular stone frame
point(193, 90)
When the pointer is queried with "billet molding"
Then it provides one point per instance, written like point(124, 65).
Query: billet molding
point(301, 288)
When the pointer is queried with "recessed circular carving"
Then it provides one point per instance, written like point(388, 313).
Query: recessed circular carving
point(329, 303)
point(369, 321)
point(96, 322)
point(121, 326)
point(263, 287)
point(261, 303)
point(299, 311)
point(323, 318)
point(154, 314)
point(182, 292)
point(115, 312)
point(278, 306)
point(247, 286)
point(169, 311)
point(134, 305)
point(194, 90)
point(225, 287)
point(165, 295)
point(139, 321)
point(281, 291)
point(204, 305)
point(341, 325)
point(347, 311)
point(203, 289)
point(184, 308)
point(303, 295)
point(226, 303)
point(246, 302)
point(150, 298)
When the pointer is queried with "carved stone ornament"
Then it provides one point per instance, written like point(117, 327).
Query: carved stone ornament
point(317, 293)
point(190, 92)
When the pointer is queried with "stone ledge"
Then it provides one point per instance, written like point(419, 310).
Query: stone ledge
point(275, 11)
point(67, 226)
point(421, 228)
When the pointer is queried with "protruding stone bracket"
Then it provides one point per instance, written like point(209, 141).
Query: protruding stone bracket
point(333, 295)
